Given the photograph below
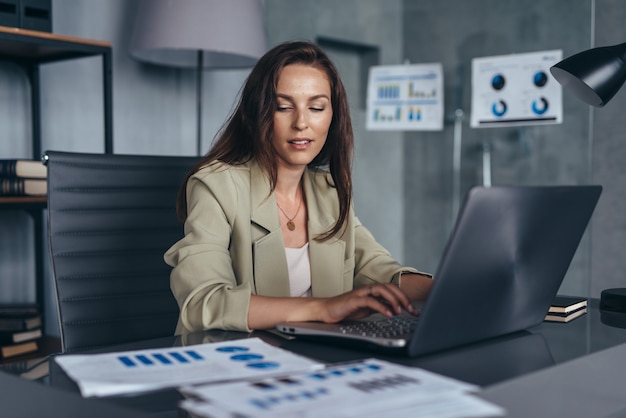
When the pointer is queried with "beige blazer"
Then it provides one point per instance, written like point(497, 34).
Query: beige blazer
point(233, 247)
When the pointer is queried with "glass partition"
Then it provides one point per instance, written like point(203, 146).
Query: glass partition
point(455, 32)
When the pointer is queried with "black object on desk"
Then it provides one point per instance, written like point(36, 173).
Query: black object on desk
point(613, 319)
point(613, 300)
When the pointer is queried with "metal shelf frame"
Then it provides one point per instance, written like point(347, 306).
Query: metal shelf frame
point(30, 49)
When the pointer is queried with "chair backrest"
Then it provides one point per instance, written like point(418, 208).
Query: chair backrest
point(111, 217)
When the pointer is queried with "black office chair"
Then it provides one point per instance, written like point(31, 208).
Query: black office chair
point(110, 219)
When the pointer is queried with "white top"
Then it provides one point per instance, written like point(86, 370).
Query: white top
point(299, 266)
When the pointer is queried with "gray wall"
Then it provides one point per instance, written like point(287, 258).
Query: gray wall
point(455, 32)
point(403, 181)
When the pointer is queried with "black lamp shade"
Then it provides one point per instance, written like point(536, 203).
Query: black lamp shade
point(595, 75)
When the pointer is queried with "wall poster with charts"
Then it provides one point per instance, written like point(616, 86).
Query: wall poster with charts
point(405, 97)
point(515, 90)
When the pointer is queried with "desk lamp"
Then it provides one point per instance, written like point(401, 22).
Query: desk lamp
point(199, 34)
point(595, 76)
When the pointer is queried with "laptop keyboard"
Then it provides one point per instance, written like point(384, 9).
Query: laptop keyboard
point(395, 327)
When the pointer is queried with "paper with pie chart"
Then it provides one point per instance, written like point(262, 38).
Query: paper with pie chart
point(516, 90)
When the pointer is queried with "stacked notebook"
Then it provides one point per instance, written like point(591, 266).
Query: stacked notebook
point(20, 329)
point(566, 308)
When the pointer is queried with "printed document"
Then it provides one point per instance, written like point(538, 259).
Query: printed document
point(372, 388)
point(147, 370)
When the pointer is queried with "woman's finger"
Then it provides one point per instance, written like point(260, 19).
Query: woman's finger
point(376, 304)
point(393, 296)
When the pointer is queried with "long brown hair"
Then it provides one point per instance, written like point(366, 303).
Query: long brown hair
point(247, 133)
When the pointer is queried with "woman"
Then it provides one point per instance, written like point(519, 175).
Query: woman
point(270, 232)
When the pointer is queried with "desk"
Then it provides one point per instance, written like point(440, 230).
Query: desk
point(553, 369)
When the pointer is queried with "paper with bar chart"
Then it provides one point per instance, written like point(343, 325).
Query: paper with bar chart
point(405, 97)
point(147, 370)
point(371, 388)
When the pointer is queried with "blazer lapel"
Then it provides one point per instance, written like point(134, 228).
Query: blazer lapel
point(271, 276)
point(327, 258)
point(263, 210)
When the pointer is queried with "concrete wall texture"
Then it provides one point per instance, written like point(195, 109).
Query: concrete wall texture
point(403, 180)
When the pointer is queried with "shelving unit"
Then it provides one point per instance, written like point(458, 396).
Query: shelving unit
point(31, 49)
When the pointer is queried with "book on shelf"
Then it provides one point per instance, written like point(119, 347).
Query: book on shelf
point(15, 186)
point(13, 350)
point(19, 317)
point(566, 304)
point(47, 345)
point(14, 337)
point(565, 316)
point(18, 309)
point(23, 168)
point(20, 324)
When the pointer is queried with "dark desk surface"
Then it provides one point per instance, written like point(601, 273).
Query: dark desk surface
point(502, 366)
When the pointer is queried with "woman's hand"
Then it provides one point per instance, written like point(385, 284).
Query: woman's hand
point(387, 299)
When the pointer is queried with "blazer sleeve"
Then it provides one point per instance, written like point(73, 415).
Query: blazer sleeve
point(202, 279)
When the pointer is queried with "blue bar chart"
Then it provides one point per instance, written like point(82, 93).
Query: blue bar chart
point(405, 97)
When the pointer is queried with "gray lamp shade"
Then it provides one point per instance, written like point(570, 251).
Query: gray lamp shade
point(229, 33)
point(594, 75)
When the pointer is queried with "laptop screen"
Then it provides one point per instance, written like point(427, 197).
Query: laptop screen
point(504, 262)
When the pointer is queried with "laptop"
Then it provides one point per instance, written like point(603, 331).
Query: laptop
point(501, 268)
